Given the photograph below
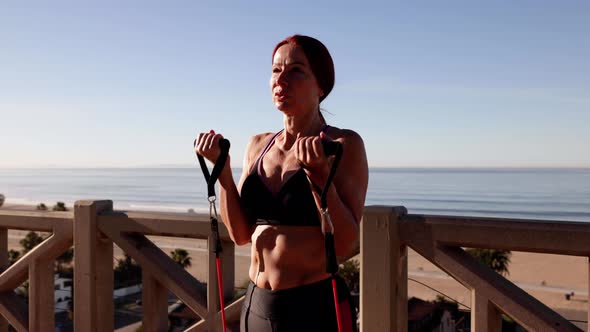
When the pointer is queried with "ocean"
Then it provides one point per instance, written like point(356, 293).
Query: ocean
point(547, 194)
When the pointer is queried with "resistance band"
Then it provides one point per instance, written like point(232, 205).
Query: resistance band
point(211, 179)
point(331, 148)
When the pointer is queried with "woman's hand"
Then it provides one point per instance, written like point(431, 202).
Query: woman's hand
point(310, 154)
point(207, 145)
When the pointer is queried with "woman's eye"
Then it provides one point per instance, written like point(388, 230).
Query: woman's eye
point(276, 70)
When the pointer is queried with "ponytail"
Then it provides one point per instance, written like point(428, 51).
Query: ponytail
point(322, 116)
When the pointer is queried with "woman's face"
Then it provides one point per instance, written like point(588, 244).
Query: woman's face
point(293, 85)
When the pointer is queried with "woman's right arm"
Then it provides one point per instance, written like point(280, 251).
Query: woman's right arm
point(232, 213)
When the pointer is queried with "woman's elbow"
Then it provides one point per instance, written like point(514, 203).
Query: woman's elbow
point(348, 245)
point(240, 238)
point(240, 241)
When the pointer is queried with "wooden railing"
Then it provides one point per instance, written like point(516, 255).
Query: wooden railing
point(97, 227)
point(37, 266)
point(386, 232)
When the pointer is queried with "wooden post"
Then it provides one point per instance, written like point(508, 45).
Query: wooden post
point(3, 266)
point(484, 315)
point(41, 295)
point(228, 268)
point(227, 258)
point(213, 306)
point(402, 289)
point(90, 258)
point(155, 304)
point(384, 271)
point(105, 283)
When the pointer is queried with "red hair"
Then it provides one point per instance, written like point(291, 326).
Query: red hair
point(318, 57)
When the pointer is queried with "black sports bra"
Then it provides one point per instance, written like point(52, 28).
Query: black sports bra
point(292, 205)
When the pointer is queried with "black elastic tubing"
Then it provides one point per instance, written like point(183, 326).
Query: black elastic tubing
point(217, 249)
point(331, 260)
point(211, 179)
point(331, 148)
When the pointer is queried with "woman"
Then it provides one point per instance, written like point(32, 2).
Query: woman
point(276, 203)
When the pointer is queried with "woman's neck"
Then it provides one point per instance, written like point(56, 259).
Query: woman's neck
point(310, 125)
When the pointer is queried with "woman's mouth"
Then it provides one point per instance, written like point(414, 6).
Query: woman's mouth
point(281, 96)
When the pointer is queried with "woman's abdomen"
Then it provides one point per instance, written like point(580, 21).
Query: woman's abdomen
point(287, 256)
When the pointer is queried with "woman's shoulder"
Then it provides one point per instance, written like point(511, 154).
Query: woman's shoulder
point(345, 136)
point(258, 141)
point(256, 145)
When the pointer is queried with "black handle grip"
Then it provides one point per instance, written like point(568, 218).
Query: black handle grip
point(219, 164)
point(331, 148)
point(224, 144)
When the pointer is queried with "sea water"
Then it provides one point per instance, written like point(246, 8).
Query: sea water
point(549, 194)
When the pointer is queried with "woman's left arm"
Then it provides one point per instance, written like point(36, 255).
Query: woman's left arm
point(346, 195)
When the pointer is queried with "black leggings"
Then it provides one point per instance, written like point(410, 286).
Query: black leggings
point(304, 308)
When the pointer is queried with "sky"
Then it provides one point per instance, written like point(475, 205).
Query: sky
point(425, 83)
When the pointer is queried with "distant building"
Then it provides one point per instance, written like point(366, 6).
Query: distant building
point(181, 317)
point(63, 292)
point(426, 316)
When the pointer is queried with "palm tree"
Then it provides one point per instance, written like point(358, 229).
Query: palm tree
point(30, 241)
point(496, 260)
point(13, 256)
point(181, 257)
point(350, 272)
point(127, 272)
point(64, 260)
point(60, 206)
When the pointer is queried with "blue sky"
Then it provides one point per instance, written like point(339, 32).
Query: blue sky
point(428, 84)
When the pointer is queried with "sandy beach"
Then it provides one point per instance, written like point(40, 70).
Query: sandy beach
point(546, 277)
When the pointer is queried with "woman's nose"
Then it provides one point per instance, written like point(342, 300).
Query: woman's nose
point(282, 79)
